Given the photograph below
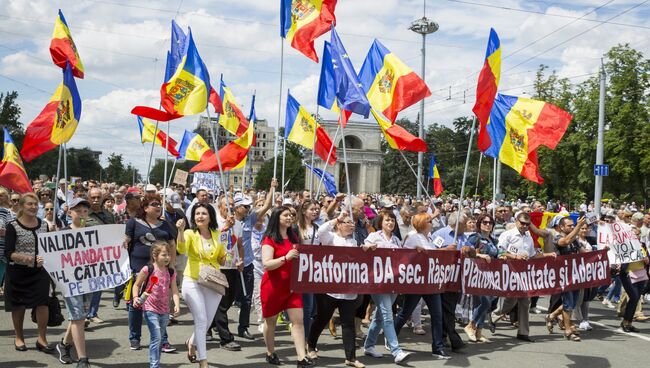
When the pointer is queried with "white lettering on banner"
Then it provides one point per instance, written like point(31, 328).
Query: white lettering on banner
point(326, 271)
point(624, 246)
point(82, 261)
point(440, 275)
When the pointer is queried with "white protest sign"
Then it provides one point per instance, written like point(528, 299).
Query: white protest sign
point(624, 245)
point(85, 260)
point(208, 180)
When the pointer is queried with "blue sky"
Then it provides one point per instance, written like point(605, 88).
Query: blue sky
point(123, 45)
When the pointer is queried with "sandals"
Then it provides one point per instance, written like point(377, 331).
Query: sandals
point(572, 337)
point(549, 323)
point(355, 364)
point(191, 357)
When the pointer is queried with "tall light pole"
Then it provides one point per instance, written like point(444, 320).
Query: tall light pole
point(598, 189)
point(423, 26)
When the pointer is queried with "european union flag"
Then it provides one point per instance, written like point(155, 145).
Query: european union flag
point(330, 184)
point(349, 90)
point(177, 50)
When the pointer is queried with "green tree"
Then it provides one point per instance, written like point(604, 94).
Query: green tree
point(158, 169)
point(10, 114)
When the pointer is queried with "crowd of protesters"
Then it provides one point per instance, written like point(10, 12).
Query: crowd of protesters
point(251, 237)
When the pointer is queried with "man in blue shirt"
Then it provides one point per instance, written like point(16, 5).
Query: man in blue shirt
point(445, 238)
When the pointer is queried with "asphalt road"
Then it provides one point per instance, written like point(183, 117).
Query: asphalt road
point(108, 345)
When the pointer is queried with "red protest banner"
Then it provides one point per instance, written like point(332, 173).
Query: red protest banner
point(535, 277)
point(350, 270)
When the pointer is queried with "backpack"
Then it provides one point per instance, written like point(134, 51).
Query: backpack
point(150, 269)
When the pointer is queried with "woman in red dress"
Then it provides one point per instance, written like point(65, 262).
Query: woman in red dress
point(277, 254)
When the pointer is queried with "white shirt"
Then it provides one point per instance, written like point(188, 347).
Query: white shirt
point(513, 242)
point(414, 239)
point(329, 237)
point(381, 240)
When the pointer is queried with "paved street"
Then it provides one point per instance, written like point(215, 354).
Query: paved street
point(108, 346)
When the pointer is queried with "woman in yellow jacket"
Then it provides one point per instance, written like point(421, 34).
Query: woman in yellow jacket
point(203, 245)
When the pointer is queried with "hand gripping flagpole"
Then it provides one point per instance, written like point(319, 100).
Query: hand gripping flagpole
point(329, 154)
point(462, 188)
point(277, 127)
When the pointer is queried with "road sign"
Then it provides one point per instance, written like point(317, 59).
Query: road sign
point(601, 170)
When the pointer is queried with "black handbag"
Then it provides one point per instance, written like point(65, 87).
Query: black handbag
point(55, 317)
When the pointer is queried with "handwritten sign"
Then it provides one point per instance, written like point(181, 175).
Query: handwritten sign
point(85, 260)
point(624, 245)
point(180, 177)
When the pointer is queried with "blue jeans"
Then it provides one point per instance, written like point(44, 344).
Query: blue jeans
point(615, 290)
point(434, 302)
point(308, 307)
point(569, 300)
point(135, 324)
point(3, 267)
point(94, 304)
point(157, 324)
point(481, 310)
point(382, 318)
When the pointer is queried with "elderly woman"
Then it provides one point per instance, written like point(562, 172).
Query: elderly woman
point(337, 232)
point(27, 283)
point(420, 240)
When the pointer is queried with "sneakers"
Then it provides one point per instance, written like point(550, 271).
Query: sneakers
point(402, 357)
point(135, 345)
point(83, 363)
point(419, 330)
point(440, 354)
point(96, 320)
point(260, 328)
point(167, 348)
point(64, 352)
point(471, 333)
point(585, 326)
point(305, 362)
point(371, 351)
point(608, 304)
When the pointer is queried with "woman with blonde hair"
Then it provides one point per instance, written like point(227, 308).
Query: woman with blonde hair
point(27, 283)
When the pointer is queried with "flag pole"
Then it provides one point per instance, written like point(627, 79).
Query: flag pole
point(65, 169)
point(169, 180)
point(313, 148)
point(462, 188)
point(277, 127)
point(151, 153)
point(420, 185)
point(345, 162)
point(284, 157)
point(494, 188)
point(165, 175)
point(216, 152)
point(478, 174)
point(58, 176)
point(329, 154)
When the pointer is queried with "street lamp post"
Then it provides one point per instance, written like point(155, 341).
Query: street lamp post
point(423, 26)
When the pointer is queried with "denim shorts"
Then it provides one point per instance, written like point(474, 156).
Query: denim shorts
point(78, 306)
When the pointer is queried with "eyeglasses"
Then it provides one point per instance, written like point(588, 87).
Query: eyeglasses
point(486, 222)
point(524, 223)
point(502, 211)
point(15, 200)
point(155, 204)
point(48, 209)
point(45, 195)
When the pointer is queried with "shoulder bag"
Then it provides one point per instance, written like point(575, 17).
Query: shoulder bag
point(211, 277)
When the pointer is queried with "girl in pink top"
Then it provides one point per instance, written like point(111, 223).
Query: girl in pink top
point(154, 298)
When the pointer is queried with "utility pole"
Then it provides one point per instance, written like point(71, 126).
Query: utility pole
point(598, 192)
point(423, 26)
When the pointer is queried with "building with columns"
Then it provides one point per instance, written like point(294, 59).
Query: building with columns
point(364, 156)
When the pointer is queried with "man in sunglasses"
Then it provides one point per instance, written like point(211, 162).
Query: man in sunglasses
point(517, 243)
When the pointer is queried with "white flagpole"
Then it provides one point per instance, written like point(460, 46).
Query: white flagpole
point(313, 148)
point(345, 162)
point(284, 157)
point(277, 128)
point(216, 152)
point(165, 175)
point(416, 176)
point(58, 176)
point(478, 174)
point(171, 172)
point(462, 188)
point(65, 169)
point(329, 154)
point(494, 188)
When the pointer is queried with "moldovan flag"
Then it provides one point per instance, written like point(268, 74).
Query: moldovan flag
point(397, 137)
point(12, 172)
point(148, 133)
point(541, 220)
point(188, 90)
point(232, 118)
point(57, 122)
point(486, 89)
point(518, 126)
point(63, 49)
point(193, 147)
point(300, 127)
point(435, 175)
point(232, 156)
point(327, 86)
point(390, 85)
point(303, 21)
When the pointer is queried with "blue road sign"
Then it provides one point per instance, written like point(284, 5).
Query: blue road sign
point(601, 170)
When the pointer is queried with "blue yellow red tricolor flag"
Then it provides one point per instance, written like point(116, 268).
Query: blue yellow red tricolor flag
point(57, 122)
point(486, 89)
point(303, 21)
point(232, 156)
point(193, 147)
point(397, 137)
point(232, 118)
point(518, 126)
point(63, 49)
point(389, 84)
point(300, 127)
point(435, 175)
point(12, 171)
point(149, 133)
